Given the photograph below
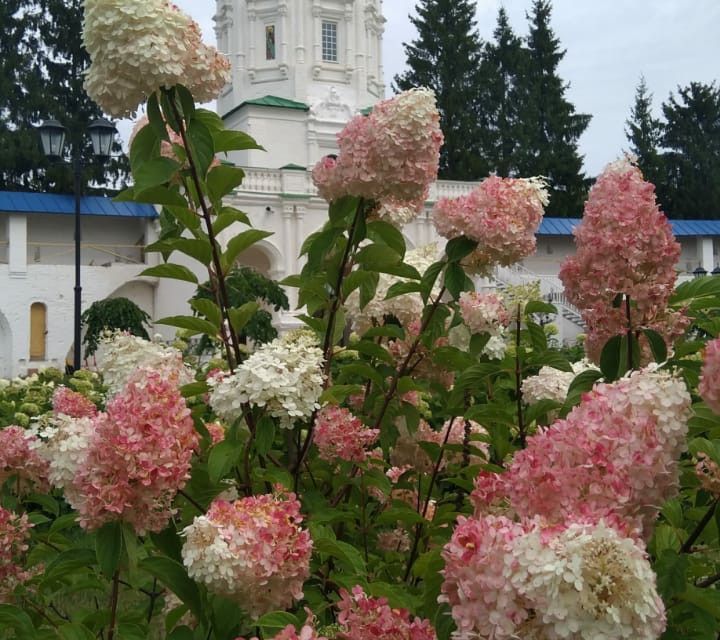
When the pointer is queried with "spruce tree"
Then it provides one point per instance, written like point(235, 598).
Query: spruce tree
point(446, 57)
point(503, 61)
point(692, 152)
point(644, 132)
point(45, 70)
point(551, 127)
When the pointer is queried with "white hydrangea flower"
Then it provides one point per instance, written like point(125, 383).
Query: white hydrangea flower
point(405, 308)
point(548, 384)
point(63, 441)
point(589, 583)
point(120, 354)
point(284, 375)
point(495, 347)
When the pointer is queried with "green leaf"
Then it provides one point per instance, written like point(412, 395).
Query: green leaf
point(377, 257)
point(173, 575)
point(176, 271)
point(194, 389)
point(153, 195)
point(384, 232)
point(455, 279)
point(145, 146)
point(223, 456)
point(343, 552)
point(48, 503)
point(108, 544)
point(186, 217)
point(209, 309)
point(538, 306)
point(460, 247)
point(155, 117)
point(228, 216)
point(705, 599)
point(657, 345)
point(221, 180)
point(369, 348)
point(225, 140)
point(240, 316)
point(189, 323)
point(264, 435)
point(239, 243)
point(401, 288)
point(154, 173)
point(201, 145)
point(342, 211)
point(582, 383)
point(69, 561)
point(12, 617)
point(610, 358)
point(75, 631)
point(429, 278)
point(275, 621)
point(185, 98)
point(197, 249)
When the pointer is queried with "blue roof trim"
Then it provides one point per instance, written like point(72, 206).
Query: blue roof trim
point(25, 202)
point(565, 226)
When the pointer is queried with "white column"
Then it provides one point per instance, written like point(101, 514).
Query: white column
point(17, 246)
point(288, 211)
point(706, 253)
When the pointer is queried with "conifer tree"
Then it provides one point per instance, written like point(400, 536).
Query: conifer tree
point(43, 62)
point(446, 57)
point(503, 61)
point(644, 132)
point(551, 127)
point(691, 160)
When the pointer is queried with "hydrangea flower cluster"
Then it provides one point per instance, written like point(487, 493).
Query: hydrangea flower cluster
point(121, 354)
point(307, 632)
point(396, 212)
point(483, 312)
point(391, 154)
point(522, 580)
point(72, 403)
point(340, 435)
point(709, 387)
point(614, 455)
point(138, 456)
point(63, 443)
point(364, 618)
point(284, 375)
point(501, 214)
point(708, 472)
point(20, 460)
point(551, 384)
point(406, 307)
point(252, 550)
point(123, 38)
point(625, 246)
point(14, 535)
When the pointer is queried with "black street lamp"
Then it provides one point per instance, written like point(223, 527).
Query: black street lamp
point(52, 136)
point(699, 272)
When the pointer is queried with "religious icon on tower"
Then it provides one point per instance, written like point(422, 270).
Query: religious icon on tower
point(270, 42)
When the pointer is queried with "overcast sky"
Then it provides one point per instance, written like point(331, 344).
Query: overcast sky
point(609, 44)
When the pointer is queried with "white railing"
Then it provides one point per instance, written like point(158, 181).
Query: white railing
point(450, 189)
point(93, 254)
point(262, 181)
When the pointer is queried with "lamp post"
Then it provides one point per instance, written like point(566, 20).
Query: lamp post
point(52, 136)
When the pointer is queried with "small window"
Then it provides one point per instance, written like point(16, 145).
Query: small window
point(329, 42)
point(38, 330)
point(270, 42)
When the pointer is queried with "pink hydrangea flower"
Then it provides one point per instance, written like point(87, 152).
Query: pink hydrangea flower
point(138, 457)
point(390, 155)
point(483, 312)
point(72, 403)
point(19, 459)
point(364, 618)
point(307, 632)
point(708, 472)
point(340, 435)
point(14, 536)
point(501, 214)
point(625, 246)
point(252, 550)
point(709, 387)
point(216, 431)
point(616, 454)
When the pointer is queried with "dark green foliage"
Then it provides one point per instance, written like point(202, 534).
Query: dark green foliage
point(691, 140)
point(503, 61)
point(112, 313)
point(42, 62)
point(446, 57)
point(244, 285)
point(645, 133)
point(548, 143)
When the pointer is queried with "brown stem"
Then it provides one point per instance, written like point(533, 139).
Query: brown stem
point(191, 500)
point(518, 382)
point(114, 603)
point(217, 263)
point(402, 370)
point(687, 545)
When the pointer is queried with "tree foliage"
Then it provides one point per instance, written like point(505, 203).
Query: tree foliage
point(110, 314)
point(446, 57)
point(42, 64)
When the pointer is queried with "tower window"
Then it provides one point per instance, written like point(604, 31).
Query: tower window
point(329, 41)
point(270, 42)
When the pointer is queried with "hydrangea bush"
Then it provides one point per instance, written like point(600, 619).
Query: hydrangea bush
point(417, 463)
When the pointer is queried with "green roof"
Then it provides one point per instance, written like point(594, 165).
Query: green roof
point(293, 167)
point(271, 101)
point(366, 111)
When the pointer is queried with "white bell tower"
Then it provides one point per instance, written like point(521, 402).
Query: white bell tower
point(321, 58)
